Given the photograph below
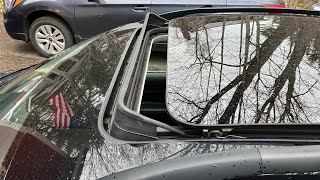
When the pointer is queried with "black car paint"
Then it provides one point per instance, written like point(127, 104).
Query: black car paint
point(15, 24)
point(71, 75)
point(251, 163)
point(87, 152)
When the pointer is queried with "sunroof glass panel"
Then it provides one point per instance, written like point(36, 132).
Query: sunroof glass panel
point(244, 69)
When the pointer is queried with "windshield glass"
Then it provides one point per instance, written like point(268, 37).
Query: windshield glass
point(243, 69)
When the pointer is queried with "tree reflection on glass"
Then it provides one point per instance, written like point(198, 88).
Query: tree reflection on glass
point(244, 69)
point(111, 158)
point(83, 80)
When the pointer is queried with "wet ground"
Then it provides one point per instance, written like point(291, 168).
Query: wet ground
point(15, 54)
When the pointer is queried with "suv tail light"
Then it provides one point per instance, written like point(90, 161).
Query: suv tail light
point(273, 5)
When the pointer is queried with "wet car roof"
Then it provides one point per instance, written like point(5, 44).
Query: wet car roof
point(80, 78)
point(32, 142)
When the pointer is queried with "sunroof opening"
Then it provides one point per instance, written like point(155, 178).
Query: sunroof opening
point(153, 103)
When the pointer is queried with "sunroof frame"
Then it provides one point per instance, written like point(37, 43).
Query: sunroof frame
point(152, 21)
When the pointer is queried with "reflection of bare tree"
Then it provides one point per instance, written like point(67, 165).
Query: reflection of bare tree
point(289, 74)
point(268, 47)
point(250, 78)
point(83, 80)
point(184, 29)
point(111, 158)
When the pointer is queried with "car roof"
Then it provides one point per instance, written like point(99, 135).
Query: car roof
point(89, 78)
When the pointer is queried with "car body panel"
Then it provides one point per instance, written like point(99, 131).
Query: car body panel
point(61, 8)
point(253, 3)
point(160, 7)
point(247, 164)
point(241, 2)
point(87, 19)
point(99, 16)
point(96, 159)
point(14, 24)
point(82, 74)
point(26, 120)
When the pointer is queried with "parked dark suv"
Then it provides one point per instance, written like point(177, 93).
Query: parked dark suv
point(54, 25)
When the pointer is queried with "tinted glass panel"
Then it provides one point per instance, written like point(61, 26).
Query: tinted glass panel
point(48, 115)
point(244, 69)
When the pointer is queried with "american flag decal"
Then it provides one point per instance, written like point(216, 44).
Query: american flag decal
point(63, 115)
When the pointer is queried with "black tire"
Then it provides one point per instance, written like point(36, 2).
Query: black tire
point(55, 22)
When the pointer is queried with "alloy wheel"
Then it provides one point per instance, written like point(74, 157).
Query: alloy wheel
point(50, 39)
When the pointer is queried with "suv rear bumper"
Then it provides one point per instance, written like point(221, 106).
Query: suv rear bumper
point(14, 24)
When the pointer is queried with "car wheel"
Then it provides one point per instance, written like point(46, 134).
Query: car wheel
point(50, 36)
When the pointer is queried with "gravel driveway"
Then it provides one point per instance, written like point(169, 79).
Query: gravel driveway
point(15, 54)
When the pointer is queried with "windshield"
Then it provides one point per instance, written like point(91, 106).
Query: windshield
point(244, 69)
